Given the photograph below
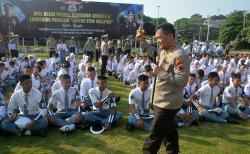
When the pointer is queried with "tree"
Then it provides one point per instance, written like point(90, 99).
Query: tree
point(231, 27)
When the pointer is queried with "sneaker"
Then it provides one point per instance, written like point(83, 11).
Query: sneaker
point(129, 127)
point(27, 132)
point(65, 128)
point(232, 121)
point(72, 126)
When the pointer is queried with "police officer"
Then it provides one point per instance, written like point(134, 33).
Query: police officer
point(51, 46)
point(172, 75)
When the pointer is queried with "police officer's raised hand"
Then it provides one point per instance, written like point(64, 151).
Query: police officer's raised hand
point(156, 69)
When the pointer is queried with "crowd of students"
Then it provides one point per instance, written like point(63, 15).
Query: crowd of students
point(71, 95)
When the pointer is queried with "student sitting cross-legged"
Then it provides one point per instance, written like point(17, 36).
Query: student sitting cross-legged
point(231, 99)
point(206, 106)
point(104, 105)
point(67, 102)
point(139, 99)
point(31, 107)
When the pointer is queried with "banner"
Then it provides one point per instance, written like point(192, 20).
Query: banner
point(66, 18)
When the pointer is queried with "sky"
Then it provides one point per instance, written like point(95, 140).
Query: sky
point(176, 9)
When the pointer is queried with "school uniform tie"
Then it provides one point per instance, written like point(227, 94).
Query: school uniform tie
point(92, 84)
point(190, 90)
point(235, 96)
point(100, 95)
point(66, 100)
point(224, 78)
point(142, 103)
point(211, 100)
point(25, 108)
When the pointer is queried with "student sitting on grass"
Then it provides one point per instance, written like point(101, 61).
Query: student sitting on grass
point(67, 102)
point(207, 105)
point(231, 96)
point(29, 103)
point(139, 99)
point(104, 105)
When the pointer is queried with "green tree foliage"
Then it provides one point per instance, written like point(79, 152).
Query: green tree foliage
point(231, 27)
point(195, 28)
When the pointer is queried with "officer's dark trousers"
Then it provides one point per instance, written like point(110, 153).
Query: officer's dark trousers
point(163, 128)
point(104, 64)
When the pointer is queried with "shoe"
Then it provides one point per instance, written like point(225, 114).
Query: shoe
point(180, 124)
point(117, 99)
point(232, 121)
point(129, 127)
point(27, 133)
point(195, 122)
point(67, 128)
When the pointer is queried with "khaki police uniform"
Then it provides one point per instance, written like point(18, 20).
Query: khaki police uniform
point(168, 98)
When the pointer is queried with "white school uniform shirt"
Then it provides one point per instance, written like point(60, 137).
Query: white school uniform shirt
point(56, 85)
point(34, 106)
point(247, 89)
point(11, 71)
point(205, 93)
point(188, 90)
point(135, 97)
point(61, 47)
point(231, 91)
point(224, 77)
point(86, 85)
point(57, 98)
point(95, 95)
point(82, 75)
point(128, 68)
point(4, 75)
point(110, 64)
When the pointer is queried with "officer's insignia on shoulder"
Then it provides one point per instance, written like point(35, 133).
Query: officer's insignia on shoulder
point(180, 63)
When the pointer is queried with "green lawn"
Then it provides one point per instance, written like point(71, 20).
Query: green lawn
point(207, 138)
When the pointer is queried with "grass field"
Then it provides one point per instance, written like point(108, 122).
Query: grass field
point(207, 138)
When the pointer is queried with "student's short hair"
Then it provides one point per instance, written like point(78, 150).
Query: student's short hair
point(91, 69)
point(192, 75)
point(2, 64)
point(242, 62)
point(142, 77)
point(28, 67)
point(213, 75)
point(12, 63)
point(102, 78)
point(24, 77)
point(66, 65)
point(64, 76)
point(200, 73)
point(235, 76)
point(148, 68)
point(167, 28)
point(39, 68)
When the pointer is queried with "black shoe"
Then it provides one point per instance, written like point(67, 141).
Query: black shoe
point(195, 122)
point(129, 127)
point(117, 99)
point(83, 126)
point(232, 121)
